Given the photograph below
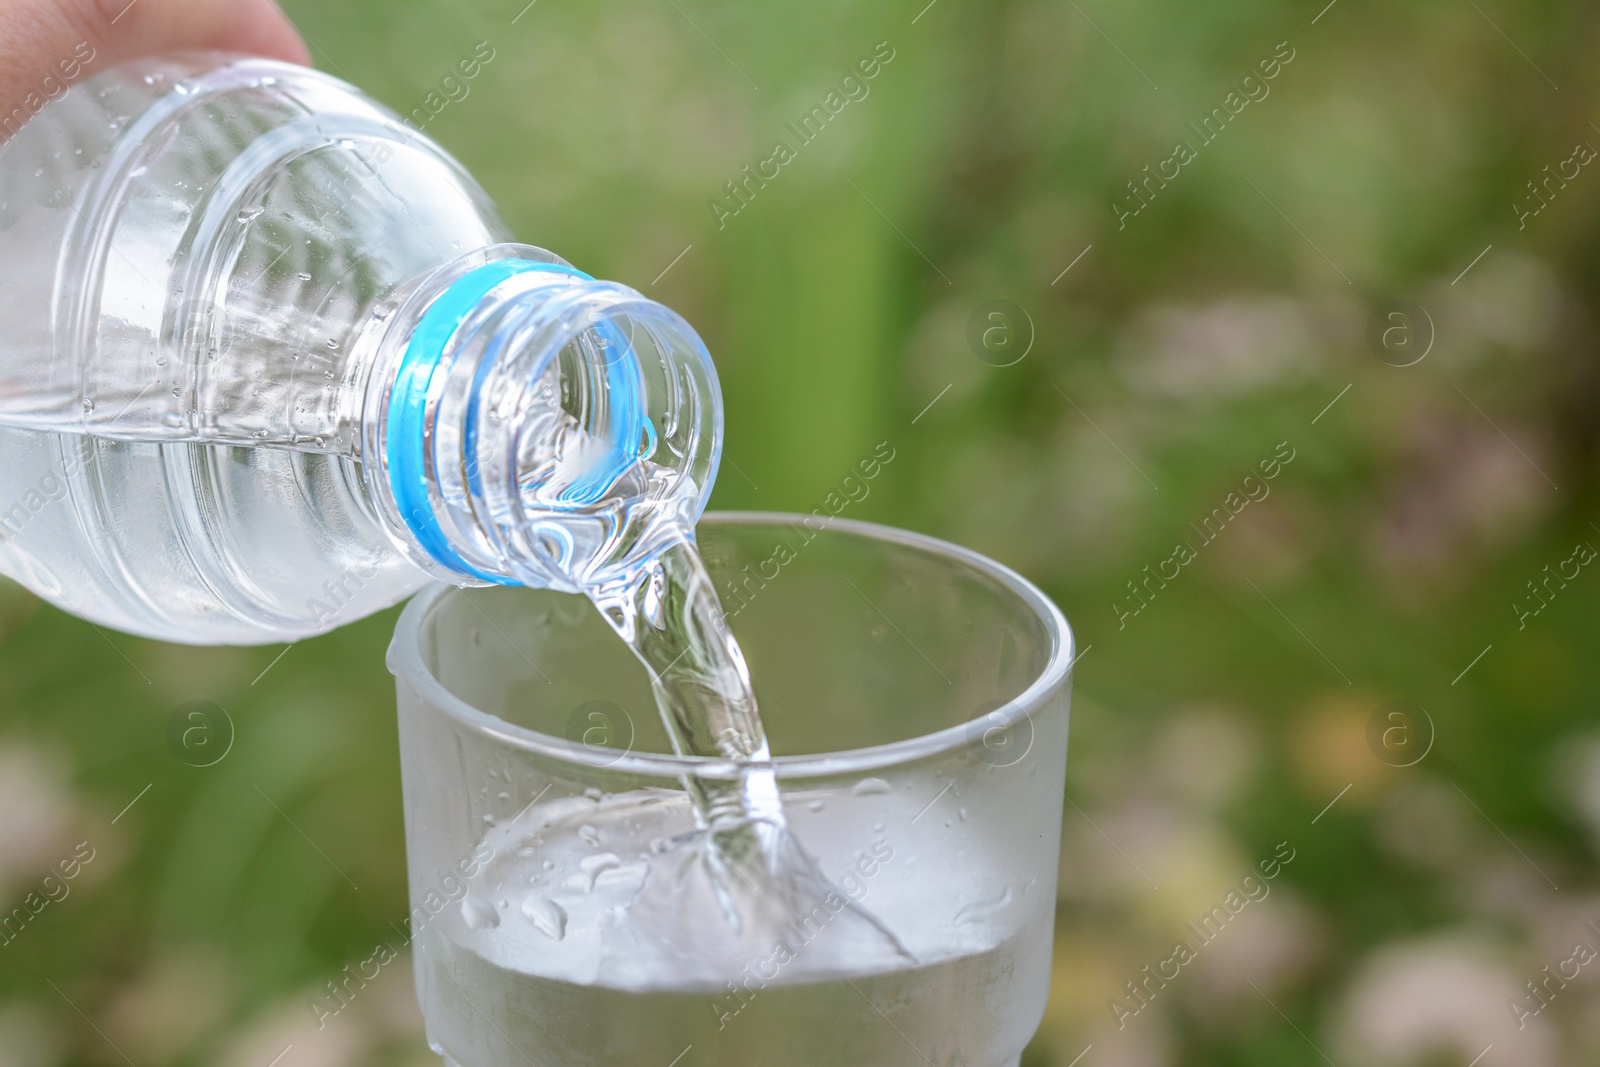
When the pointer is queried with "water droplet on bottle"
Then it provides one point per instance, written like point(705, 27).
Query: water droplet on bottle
point(590, 835)
point(503, 796)
point(593, 793)
point(594, 866)
point(815, 805)
point(963, 813)
point(251, 213)
point(88, 405)
point(479, 914)
point(502, 904)
point(869, 786)
point(549, 865)
point(303, 276)
point(549, 918)
point(332, 344)
point(877, 827)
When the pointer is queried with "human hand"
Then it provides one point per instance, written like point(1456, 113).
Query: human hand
point(46, 45)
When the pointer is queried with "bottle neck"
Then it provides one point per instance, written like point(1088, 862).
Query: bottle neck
point(528, 424)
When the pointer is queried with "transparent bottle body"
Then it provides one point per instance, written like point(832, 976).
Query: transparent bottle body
point(209, 270)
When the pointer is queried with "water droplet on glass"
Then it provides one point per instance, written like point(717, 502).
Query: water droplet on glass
point(594, 866)
point(869, 786)
point(982, 911)
point(549, 918)
point(589, 834)
point(479, 914)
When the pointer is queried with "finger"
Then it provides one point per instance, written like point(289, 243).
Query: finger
point(41, 39)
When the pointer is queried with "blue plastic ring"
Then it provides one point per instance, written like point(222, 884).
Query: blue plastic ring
point(408, 403)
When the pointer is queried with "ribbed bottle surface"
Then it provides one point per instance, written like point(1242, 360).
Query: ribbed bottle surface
point(211, 269)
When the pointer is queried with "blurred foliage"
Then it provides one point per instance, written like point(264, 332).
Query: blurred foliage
point(1229, 315)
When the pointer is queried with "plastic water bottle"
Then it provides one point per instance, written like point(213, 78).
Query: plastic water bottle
point(268, 364)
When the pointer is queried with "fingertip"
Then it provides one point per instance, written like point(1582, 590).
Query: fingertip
point(260, 28)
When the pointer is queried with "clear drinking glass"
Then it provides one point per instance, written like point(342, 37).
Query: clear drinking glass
point(917, 694)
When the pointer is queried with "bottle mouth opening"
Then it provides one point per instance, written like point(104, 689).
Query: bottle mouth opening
point(543, 425)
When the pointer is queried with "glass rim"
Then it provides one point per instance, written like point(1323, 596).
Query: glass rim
point(405, 658)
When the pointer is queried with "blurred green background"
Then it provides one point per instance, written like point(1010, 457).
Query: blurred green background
point(852, 300)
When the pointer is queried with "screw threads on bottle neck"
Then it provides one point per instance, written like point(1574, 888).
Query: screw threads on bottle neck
point(542, 426)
